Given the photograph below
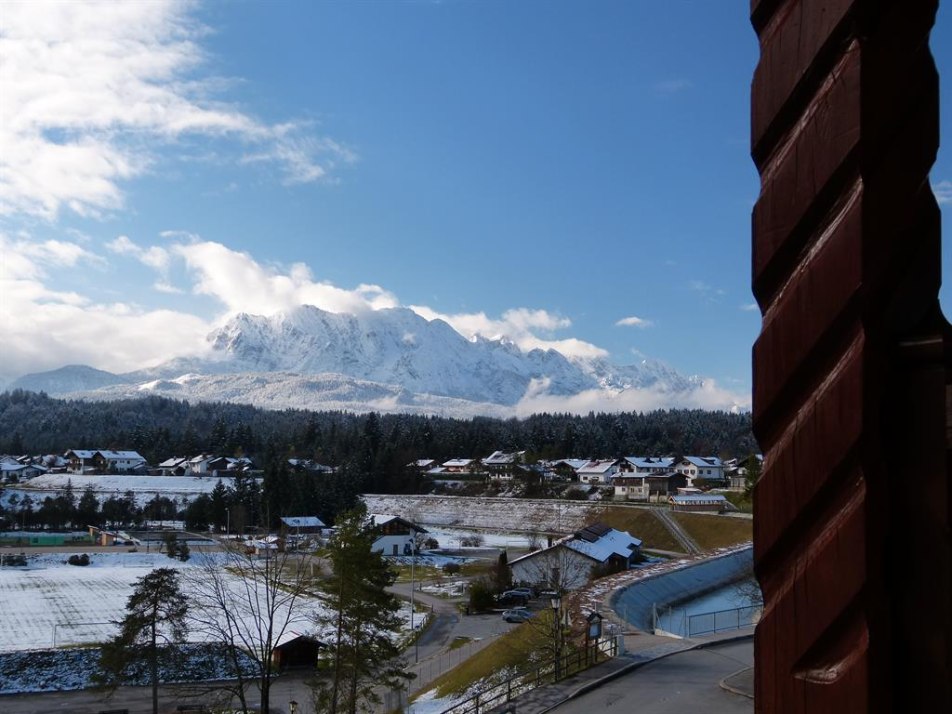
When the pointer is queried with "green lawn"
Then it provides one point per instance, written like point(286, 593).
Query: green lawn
point(710, 531)
point(641, 523)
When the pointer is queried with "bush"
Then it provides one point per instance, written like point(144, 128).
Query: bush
point(452, 568)
point(472, 541)
point(431, 543)
point(575, 493)
point(481, 595)
point(13, 560)
point(78, 559)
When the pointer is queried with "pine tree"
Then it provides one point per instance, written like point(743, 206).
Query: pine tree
point(363, 618)
point(155, 616)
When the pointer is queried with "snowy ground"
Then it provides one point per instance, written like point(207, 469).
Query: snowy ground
point(145, 488)
point(50, 603)
point(50, 600)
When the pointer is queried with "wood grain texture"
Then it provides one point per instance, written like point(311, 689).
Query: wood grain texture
point(852, 525)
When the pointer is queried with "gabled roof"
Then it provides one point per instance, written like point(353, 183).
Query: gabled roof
point(421, 463)
point(173, 462)
point(82, 453)
point(597, 467)
point(703, 462)
point(128, 455)
point(574, 464)
point(302, 522)
point(647, 462)
point(379, 519)
point(596, 541)
point(457, 462)
point(600, 542)
point(502, 458)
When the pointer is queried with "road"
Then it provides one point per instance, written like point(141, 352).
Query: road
point(685, 682)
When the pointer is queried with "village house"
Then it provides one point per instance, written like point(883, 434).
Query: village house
point(303, 525)
point(708, 468)
point(395, 536)
point(503, 466)
point(648, 465)
point(571, 562)
point(599, 472)
point(174, 466)
point(198, 465)
point(631, 487)
point(102, 461)
point(662, 485)
point(459, 466)
point(699, 502)
point(13, 471)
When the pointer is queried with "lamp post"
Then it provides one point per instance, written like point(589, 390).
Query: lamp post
point(416, 647)
point(227, 523)
point(292, 707)
point(557, 628)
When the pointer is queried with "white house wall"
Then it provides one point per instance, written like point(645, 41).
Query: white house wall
point(385, 544)
point(574, 569)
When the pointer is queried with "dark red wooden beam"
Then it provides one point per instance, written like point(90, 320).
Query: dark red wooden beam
point(852, 524)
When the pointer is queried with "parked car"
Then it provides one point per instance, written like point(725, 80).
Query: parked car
point(528, 592)
point(511, 599)
point(516, 615)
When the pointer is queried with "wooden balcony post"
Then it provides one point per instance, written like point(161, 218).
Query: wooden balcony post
point(852, 527)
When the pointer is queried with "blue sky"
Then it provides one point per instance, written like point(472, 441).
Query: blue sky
point(539, 170)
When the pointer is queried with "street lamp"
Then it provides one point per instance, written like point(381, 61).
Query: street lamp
point(292, 707)
point(228, 529)
point(416, 646)
point(556, 603)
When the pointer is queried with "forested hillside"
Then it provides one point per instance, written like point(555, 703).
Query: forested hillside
point(159, 428)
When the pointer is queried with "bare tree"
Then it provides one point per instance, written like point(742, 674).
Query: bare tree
point(248, 602)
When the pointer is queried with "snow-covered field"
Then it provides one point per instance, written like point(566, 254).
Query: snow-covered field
point(144, 487)
point(50, 603)
point(50, 600)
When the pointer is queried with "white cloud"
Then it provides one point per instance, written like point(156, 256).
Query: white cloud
point(634, 321)
point(90, 89)
point(750, 307)
point(243, 285)
point(520, 326)
point(44, 328)
point(154, 257)
point(942, 191)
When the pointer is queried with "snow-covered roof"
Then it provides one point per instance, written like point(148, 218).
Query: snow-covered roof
point(596, 541)
point(703, 462)
point(597, 467)
point(422, 463)
point(647, 462)
point(575, 464)
point(127, 455)
point(457, 462)
point(302, 522)
point(613, 542)
point(502, 458)
point(82, 453)
point(380, 519)
point(173, 462)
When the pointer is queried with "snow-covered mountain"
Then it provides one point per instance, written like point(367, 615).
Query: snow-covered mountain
point(385, 360)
